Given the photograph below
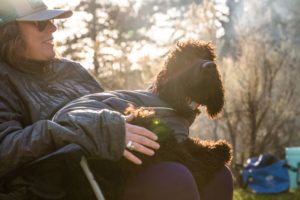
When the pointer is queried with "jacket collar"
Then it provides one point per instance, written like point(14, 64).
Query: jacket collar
point(34, 67)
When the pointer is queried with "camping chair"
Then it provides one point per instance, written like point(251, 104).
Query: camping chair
point(77, 170)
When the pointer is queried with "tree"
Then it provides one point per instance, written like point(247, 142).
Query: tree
point(109, 34)
point(261, 112)
point(229, 23)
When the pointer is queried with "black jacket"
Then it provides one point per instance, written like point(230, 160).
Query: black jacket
point(75, 115)
point(30, 95)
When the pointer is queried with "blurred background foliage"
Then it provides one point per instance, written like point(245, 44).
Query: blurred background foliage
point(240, 194)
point(123, 44)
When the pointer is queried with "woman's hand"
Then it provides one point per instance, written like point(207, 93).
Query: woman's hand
point(140, 140)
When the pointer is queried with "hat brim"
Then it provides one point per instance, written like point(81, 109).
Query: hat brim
point(46, 15)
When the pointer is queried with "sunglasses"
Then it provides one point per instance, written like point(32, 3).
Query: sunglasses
point(41, 25)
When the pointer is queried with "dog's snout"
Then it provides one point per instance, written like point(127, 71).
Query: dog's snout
point(209, 64)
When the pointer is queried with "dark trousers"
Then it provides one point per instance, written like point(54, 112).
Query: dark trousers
point(169, 180)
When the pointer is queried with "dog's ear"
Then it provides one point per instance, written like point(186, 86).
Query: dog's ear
point(206, 87)
point(215, 101)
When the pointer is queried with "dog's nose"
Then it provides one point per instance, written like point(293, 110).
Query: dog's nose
point(209, 64)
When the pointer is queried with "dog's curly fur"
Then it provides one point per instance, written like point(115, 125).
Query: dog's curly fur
point(183, 76)
point(189, 74)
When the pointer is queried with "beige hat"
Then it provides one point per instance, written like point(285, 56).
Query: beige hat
point(28, 10)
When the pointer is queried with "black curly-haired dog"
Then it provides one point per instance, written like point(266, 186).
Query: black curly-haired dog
point(189, 78)
point(190, 73)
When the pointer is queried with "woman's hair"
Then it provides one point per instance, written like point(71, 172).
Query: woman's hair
point(11, 43)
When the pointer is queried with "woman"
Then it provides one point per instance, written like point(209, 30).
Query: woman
point(34, 85)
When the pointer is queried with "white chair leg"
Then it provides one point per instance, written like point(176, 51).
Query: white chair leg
point(85, 167)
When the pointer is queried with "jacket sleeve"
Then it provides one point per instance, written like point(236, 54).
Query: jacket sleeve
point(21, 144)
point(94, 121)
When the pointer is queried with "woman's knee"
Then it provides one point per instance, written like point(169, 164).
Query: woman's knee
point(166, 180)
point(224, 176)
point(222, 181)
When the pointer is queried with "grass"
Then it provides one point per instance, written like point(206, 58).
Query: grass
point(248, 195)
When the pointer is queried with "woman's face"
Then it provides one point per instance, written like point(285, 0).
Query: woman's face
point(38, 44)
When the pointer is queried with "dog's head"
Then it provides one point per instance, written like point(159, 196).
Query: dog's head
point(189, 75)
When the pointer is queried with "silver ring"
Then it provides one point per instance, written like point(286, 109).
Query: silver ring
point(130, 145)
